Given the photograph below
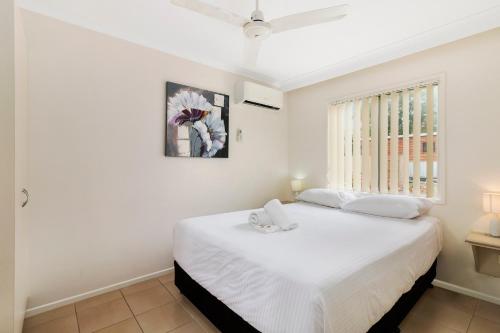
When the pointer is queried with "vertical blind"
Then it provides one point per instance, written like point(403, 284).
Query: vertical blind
point(386, 142)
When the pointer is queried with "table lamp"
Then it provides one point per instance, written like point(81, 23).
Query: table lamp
point(491, 204)
point(297, 186)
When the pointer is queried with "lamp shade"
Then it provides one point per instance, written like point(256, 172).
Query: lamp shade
point(491, 202)
point(296, 185)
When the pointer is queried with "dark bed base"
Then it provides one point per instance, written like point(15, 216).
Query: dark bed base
point(228, 321)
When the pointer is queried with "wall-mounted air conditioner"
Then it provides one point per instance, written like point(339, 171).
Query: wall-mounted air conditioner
point(258, 95)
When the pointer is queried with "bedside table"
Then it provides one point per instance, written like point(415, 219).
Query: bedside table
point(486, 250)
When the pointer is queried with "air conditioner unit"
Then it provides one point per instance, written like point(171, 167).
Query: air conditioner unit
point(258, 95)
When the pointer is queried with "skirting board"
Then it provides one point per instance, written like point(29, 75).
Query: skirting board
point(72, 299)
point(466, 291)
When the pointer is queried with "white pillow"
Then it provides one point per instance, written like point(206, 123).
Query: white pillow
point(398, 206)
point(326, 197)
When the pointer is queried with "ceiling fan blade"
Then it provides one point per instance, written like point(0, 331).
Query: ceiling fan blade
point(252, 50)
point(312, 17)
point(211, 11)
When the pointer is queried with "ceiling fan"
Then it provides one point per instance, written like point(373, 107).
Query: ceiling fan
point(256, 28)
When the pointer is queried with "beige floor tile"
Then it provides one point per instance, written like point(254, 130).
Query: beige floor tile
point(488, 311)
point(431, 310)
point(207, 324)
point(189, 307)
point(172, 288)
point(97, 300)
point(163, 319)
point(66, 324)
point(167, 277)
point(140, 286)
point(198, 316)
point(413, 324)
point(127, 326)
point(481, 325)
point(148, 299)
point(103, 315)
point(192, 327)
point(63, 311)
point(459, 301)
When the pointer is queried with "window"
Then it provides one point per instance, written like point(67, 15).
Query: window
point(387, 142)
point(424, 146)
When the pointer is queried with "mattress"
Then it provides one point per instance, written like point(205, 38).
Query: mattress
point(337, 272)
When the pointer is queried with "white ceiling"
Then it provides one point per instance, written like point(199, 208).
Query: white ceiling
point(374, 32)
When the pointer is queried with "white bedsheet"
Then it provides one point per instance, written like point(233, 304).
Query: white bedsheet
point(337, 272)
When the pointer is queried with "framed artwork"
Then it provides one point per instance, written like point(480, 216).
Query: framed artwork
point(197, 122)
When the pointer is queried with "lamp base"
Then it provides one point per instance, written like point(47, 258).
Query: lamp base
point(495, 226)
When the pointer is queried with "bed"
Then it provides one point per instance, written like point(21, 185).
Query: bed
point(337, 272)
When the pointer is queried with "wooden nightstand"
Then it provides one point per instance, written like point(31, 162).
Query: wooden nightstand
point(486, 250)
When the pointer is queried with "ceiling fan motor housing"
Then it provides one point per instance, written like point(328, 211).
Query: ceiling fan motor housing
point(257, 29)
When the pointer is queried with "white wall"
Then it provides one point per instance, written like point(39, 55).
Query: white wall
point(104, 196)
point(7, 153)
point(472, 71)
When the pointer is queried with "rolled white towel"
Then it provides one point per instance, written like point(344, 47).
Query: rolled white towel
point(279, 217)
point(259, 218)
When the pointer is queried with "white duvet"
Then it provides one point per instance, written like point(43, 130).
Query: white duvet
point(337, 272)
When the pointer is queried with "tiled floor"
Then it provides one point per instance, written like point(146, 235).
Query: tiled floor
point(153, 306)
point(443, 311)
point(156, 306)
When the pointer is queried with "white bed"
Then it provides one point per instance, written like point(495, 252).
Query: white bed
point(338, 272)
